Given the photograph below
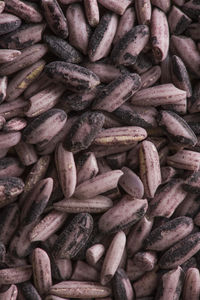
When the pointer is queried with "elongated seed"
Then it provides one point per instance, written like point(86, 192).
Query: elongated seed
point(80, 289)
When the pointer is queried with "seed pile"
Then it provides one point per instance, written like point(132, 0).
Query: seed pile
point(99, 149)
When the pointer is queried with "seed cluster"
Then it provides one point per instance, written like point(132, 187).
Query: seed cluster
point(99, 149)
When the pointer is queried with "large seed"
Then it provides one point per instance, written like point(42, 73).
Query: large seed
point(125, 213)
point(23, 79)
point(98, 185)
point(47, 226)
point(25, 36)
point(24, 10)
point(177, 129)
point(55, 17)
point(169, 233)
point(77, 78)
point(158, 95)
point(167, 199)
point(117, 92)
point(28, 56)
point(15, 275)
point(171, 284)
point(127, 49)
point(101, 40)
point(79, 30)
point(180, 252)
point(74, 237)
point(40, 130)
point(62, 49)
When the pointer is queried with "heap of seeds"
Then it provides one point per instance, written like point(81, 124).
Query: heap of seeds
point(100, 149)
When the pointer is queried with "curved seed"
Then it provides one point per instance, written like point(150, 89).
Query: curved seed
point(167, 199)
point(186, 48)
point(144, 117)
point(131, 183)
point(169, 233)
point(94, 253)
point(15, 275)
point(124, 214)
point(37, 201)
point(55, 17)
point(101, 40)
point(158, 95)
point(11, 293)
point(77, 78)
point(9, 221)
point(24, 36)
point(191, 288)
point(36, 174)
point(23, 79)
point(178, 21)
point(44, 100)
point(40, 129)
point(87, 167)
point(27, 11)
point(62, 49)
point(180, 76)
point(74, 237)
point(3, 89)
point(139, 232)
point(180, 252)
point(127, 49)
point(98, 185)
point(79, 30)
point(177, 128)
point(117, 92)
point(28, 56)
point(171, 284)
point(47, 226)
point(150, 77)
point(185, 159)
